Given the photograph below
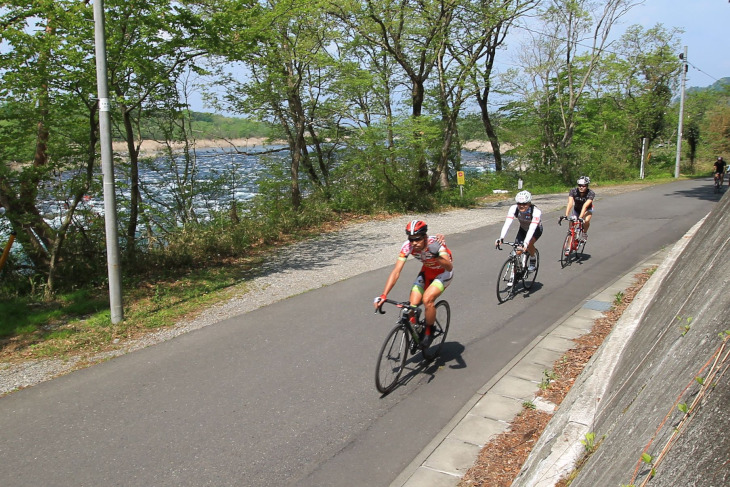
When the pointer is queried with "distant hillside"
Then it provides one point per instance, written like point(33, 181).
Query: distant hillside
point(213, 126)
point(209, 126)
point(722, 84)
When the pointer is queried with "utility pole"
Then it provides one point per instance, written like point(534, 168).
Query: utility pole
point(107, 167)
point(681, 111)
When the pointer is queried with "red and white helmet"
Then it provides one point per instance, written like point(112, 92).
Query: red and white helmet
point(416, 227)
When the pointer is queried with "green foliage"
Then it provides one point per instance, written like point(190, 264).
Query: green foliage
point(589, 443)
point(28, 315)
point(547, 377)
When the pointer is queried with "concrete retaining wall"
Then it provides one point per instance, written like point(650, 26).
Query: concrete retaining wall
point(631, 392)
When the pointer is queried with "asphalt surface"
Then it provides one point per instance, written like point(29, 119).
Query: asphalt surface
point(284, 395)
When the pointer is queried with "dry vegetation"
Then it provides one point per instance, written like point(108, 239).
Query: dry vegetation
point(500, 460)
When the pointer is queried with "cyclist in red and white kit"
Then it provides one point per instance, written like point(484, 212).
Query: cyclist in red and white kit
point(435, 275)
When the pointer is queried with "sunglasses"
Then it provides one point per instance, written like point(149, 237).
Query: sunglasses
point(416, 239)
point(582, 185)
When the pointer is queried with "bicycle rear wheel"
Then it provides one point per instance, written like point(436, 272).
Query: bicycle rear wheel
point(529, 278)
point(506, 281)
point(392, 359)
point(439, 331)
point(565, 255)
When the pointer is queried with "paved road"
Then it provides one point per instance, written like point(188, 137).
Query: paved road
point(284, 395)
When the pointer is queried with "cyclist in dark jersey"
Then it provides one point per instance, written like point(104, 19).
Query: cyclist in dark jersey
point(580, 201)
point(435, 275)
point(719, 168)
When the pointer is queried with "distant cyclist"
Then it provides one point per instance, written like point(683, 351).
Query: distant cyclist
point(435, 275)
point(580, 201)
point(719, 169)
point(530, 225)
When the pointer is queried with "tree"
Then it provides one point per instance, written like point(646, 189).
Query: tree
point(561, 68)
point(639, 77)
point(56, 97)
point(147, 55)
point(284, 47)
point(413, 35)
point(493, 22)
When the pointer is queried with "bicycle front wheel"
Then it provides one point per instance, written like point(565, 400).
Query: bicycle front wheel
point(529, 279)
point(439, 330)
point(392, 359)
point(579, 252)
point(567, 250)
point(506, 281)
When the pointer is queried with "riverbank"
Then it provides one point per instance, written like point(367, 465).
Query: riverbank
point(154, 147)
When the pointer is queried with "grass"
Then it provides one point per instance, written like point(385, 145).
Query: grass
point(80, 322)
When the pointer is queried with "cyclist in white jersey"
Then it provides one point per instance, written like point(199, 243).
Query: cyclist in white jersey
point(530, 230)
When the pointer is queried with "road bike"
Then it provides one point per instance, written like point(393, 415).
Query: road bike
point(718, 182)
point(406, 338)
point(574, 242)
point(514, 271)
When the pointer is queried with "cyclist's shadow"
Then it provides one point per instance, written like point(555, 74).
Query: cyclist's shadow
point(579, 260)
point(415, 366)
point(523, 292)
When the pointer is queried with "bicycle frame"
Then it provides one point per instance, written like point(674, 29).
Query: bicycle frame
point(572, 243)
point(405, 316)
point(576, 230)
point(514, 270)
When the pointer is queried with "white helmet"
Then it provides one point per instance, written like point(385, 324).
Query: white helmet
point(584, 180)
point(523, 197)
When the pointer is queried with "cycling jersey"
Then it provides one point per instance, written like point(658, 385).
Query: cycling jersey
point(580, 200)
point(529, 222)
point(431, 267)
point(719, 167)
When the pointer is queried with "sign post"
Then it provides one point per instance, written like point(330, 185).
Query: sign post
point(460, 182)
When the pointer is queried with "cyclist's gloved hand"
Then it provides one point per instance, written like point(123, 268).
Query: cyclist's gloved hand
point(378, 302)
point(498, 243)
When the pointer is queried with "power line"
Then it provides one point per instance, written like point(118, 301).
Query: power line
point(563, 39)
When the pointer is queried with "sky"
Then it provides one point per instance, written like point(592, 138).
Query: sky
point(706, 25)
